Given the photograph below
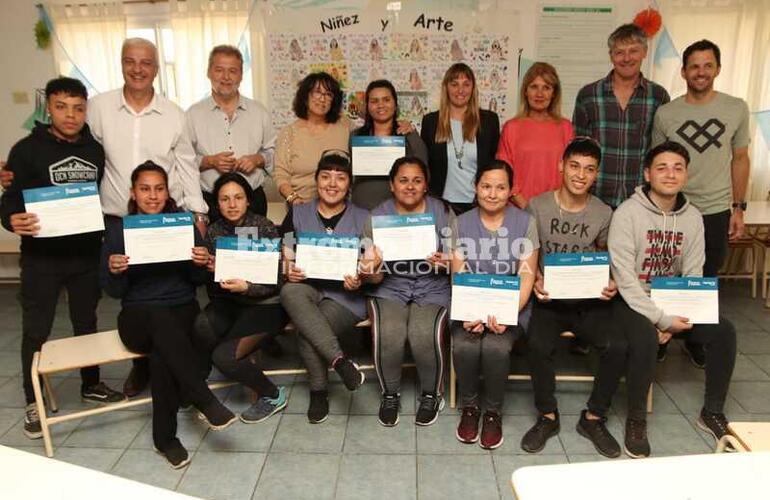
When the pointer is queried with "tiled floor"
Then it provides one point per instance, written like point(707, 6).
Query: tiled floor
point(350, 455)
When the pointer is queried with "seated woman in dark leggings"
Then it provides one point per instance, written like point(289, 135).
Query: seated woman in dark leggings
point(240, 320)
point(157, 316)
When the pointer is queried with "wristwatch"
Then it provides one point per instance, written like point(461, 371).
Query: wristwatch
point(201, 217)
point(292, 196)
point(741, 205)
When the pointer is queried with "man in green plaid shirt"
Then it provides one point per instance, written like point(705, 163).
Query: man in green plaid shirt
point(618, 112)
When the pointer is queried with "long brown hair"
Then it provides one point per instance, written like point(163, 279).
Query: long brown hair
point(472, 117)
point(547, 73)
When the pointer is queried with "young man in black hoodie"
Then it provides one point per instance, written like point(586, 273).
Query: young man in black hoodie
point(61, 153)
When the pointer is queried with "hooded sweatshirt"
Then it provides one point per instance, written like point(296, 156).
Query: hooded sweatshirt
point(645, 242)
point(41, 160)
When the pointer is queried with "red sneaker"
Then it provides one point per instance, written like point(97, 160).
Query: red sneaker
point(468, 429)
point(491, 430)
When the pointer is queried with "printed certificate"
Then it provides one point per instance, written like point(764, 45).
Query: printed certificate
point(65, 210)
point(327, 257)
point(374, 155)
point(158, 237)
point(576, 275)
point(696, 299)
point(255, 261)
point(476, 296)
point(405, 237)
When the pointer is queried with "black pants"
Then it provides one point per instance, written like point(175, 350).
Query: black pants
point(716, 227)
point(589, 320)
point(163, 332)
point(717, 340)
point(258, 205)
point(42, 279)
point(229, 323)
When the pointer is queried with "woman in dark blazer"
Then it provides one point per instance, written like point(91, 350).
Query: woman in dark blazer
point(459, 137)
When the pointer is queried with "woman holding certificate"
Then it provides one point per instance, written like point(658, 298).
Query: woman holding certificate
point(410, 303)
point(497, 238)
point(381, 120)
point(533, 141)
point(323, 310)
point(459, 137)
point(239, 318)
point(319, 127)
point(157, 316)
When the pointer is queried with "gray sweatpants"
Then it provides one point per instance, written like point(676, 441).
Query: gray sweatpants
point(486, 354)
point(423, 326)
point(319, 321)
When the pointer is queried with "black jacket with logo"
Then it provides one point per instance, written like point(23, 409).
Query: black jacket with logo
point(42, 160)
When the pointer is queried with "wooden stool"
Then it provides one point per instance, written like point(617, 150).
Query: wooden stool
point(746, 436)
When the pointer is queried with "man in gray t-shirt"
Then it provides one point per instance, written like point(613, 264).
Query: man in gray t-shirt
point(714, 127)
point(571, 220)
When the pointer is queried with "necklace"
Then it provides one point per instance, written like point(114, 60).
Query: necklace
point(458, 152)
point(581, 213)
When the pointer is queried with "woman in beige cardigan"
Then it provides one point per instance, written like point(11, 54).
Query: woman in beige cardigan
point(319, 127)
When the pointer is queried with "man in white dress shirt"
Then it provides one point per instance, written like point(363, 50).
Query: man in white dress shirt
point(136, 124)
point(230, 132)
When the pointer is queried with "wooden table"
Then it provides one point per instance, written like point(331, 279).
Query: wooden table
point(747, 436)
point(716, 476)
point(25, 475)
point(757, 220)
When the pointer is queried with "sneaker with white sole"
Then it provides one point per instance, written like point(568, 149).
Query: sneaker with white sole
point(32, 427)
point(430, 406)
point(100, 393)
point(265, 407)
point(175, 453)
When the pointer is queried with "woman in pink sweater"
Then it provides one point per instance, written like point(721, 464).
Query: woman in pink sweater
point(533, 141)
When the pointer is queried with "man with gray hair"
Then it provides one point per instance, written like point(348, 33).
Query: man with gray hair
point(135, 124)
point(230, 132)
point(618, 112)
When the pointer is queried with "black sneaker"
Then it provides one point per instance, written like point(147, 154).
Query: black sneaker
point(100, 393)
point(596, 431)
point(430, 406)
point(713, 423)
point(318, 409)
point(697, 354)
point(636, 443)
point(389, 406)
point(32, 427)
point(535, 438)
point(662, 351)
point(349, 372)
point(175, 453)
point(216, 415)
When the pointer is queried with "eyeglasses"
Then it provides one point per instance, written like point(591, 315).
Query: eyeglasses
point(321, 95)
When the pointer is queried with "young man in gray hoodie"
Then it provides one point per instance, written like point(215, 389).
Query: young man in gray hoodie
point(658, 233)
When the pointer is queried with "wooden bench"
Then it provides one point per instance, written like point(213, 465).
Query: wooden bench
point(559, 378)
point(746, 436)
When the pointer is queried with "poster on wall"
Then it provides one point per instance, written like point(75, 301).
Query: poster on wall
point(411, 48)
point(573, 38)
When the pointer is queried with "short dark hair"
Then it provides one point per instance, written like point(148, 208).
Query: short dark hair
point(337, 160)
point(238, 179)
point(666, 147)
point(327, 82)
point(66, 85)
point(368, 127)
point(151, 166)
point(583, 146)
point(702, 45)
point(494, 165)
point(225, 50)
point(408, 160)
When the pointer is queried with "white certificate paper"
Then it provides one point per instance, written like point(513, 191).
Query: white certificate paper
point(65, 210)
point(158, 237)
point(327, 257)
point(476, 296)
point(576, 275)
point(696, 299)
point(255, 261)
point(374, 155)
point(405, 237)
